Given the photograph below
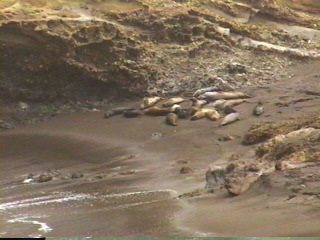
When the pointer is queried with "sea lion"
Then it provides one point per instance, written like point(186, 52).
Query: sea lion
point(149, 102)
point(170, 102)
point(232, 103)
point(203, 90)
point(229, 110)
point(117, 111)
point(213, 115)
point(132, 114)
point(230, 118)
point(197, 102)
point(172, 119)
point(157, 111)
point(193, 110)
point(201, 113)
point(183, 113)
point(259, 109)
point(175, 108)
point(213, 96)
point(217, 104)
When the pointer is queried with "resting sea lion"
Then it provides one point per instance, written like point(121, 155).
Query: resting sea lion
point(198, 103)
point(149, 102)
point(157, 111)
point(230, 118)
point(170, 102)
point(213, 115)
point(132, 114)
point(203, 90)
point(213, 96)
point(172, 119)
point(117, 111)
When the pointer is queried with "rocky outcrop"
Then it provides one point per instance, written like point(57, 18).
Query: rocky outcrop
point(283, 152)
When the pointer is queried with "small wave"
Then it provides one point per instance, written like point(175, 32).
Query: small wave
point(44, 228)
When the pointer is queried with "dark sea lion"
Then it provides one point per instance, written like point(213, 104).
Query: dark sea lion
point(172, 119)
point(203, 90)
point(117, 111)
point(229, 110)
point(132, 114)
point(183, 113)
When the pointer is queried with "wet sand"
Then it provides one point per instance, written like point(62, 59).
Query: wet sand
point(109, 201)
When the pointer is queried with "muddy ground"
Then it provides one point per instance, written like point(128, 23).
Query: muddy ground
point(131, 179)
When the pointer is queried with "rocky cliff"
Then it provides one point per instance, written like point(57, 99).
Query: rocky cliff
point(79, 49)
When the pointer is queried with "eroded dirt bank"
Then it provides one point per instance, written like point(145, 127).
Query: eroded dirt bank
point(131, 174)
point(60, 56)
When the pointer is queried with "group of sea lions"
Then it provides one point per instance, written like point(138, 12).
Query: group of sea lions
point(205, 103)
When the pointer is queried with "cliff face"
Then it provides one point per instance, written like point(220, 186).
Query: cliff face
point(76, 49)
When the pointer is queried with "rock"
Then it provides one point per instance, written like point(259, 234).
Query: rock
point(235, 67)
point(76, 175)
point(185, 170)
point(228, 137)
point(44, 178)
point(156, 135)
point(194, 193)
point(180, 162)
point(215, 177)
point(5, 125)
point(240, 182)
point(23, 105)
point(129, 172)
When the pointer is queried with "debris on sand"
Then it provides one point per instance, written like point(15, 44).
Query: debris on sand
point(156, 135)
point(225, 138)
point(129, 172)
point(77, 175)
point(185, 170)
